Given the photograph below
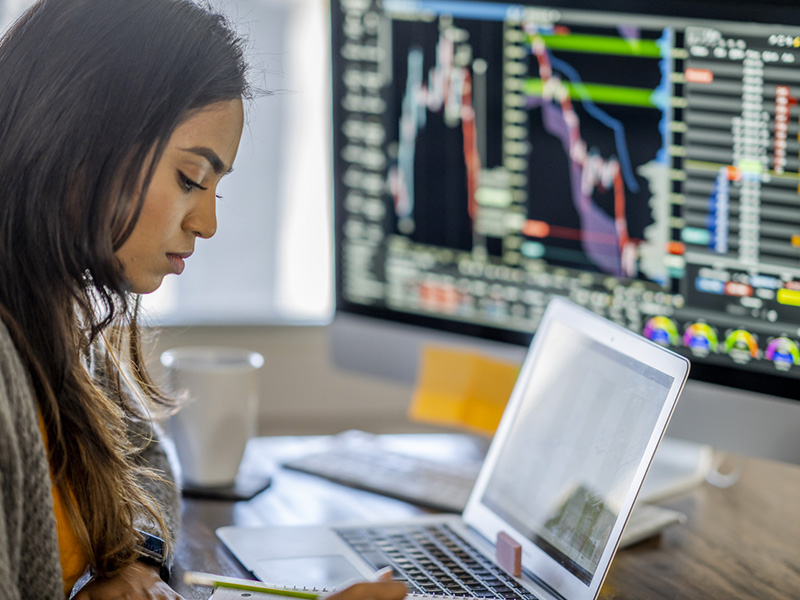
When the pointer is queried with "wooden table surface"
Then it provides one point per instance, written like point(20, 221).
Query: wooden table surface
point(742, 542)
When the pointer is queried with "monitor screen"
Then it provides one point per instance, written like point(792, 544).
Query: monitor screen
point(638, 158)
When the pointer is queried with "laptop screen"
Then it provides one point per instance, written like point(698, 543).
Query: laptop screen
point(582, 429)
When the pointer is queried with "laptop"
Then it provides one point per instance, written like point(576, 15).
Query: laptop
point(556, 489)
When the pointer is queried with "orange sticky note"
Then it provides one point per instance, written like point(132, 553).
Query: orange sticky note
point(462, 389)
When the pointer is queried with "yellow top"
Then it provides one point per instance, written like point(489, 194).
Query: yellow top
point(74, 561)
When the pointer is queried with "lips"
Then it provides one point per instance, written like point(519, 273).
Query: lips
point(177, 260)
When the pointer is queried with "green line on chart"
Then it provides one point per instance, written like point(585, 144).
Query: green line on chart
point(607, 94)
point(598, 44)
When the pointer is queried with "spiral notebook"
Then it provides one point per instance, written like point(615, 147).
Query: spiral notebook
point(549, 506)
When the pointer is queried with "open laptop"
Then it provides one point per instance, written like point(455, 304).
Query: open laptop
point(558, 484)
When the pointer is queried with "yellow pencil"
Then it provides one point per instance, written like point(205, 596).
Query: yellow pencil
point(248, 585)
point(209, 580)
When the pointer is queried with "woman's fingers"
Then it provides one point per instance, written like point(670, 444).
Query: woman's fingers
point(383, 590)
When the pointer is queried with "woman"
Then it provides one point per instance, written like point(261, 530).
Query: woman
point(118, 119)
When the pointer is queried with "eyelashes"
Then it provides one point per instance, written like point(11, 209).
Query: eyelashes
point(188, 184)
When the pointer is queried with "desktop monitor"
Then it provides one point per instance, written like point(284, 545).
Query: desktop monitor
point(638, 158)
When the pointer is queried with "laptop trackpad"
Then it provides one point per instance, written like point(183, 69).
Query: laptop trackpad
point(307, 571)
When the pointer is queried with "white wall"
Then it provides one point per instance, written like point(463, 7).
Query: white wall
point(10, 10)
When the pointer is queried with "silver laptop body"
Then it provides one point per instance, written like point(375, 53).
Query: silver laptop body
point(560, 478)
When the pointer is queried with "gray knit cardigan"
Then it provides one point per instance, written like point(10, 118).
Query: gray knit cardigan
point(29, 558)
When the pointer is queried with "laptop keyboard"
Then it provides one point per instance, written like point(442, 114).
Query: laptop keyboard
point(433, 560)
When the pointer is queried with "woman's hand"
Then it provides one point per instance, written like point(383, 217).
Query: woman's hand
point(139, 581)
point(381, 588)
point(384, 590)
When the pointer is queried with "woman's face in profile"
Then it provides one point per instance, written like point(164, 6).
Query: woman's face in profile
point(180, 204)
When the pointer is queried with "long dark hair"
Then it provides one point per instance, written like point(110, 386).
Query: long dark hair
point(90, 92)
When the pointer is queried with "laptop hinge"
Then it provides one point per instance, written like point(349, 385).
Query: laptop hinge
point(538, 581)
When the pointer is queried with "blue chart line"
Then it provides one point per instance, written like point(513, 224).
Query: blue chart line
point(617, 127)
point(664, 91)
point(719, 213)
point(488, 11)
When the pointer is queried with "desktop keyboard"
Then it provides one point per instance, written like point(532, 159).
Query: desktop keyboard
point(360, 460)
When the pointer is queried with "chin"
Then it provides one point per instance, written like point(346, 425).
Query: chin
point(146, 287)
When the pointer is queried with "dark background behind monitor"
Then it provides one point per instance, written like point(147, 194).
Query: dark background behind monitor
point(461, 131)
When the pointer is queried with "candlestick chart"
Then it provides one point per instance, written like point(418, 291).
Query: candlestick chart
point(539, 134)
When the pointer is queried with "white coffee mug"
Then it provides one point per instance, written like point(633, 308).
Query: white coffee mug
point(218, 388)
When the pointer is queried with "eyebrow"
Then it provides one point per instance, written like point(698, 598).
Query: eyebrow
point(211, 156)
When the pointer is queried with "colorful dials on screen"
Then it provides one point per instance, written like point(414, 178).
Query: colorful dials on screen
point(662, 330)
point(783, 352)
point(741, 345)
point(701, 339)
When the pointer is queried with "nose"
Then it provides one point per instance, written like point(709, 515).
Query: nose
point(202, 218)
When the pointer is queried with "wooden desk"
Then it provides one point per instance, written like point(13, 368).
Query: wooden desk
point(739, 543)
